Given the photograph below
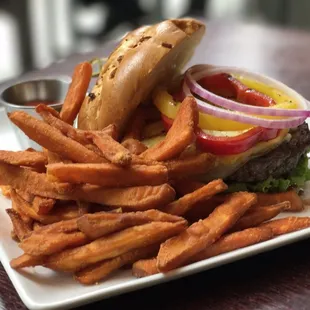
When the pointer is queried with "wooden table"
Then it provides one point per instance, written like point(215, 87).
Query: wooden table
point(276, 280)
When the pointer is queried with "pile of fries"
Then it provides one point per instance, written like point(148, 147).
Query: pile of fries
point(92, 202)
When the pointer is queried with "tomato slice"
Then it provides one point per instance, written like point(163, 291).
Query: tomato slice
point(225, 85)
point(228, 145)
point(234, 145)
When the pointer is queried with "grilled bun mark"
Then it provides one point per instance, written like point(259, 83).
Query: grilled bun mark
point(146, 57)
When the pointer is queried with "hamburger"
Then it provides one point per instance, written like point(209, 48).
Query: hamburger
point(253, 124)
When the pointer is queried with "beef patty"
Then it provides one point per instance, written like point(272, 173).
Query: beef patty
point(277, 163)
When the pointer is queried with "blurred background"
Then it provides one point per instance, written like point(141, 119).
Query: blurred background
point(36, 33)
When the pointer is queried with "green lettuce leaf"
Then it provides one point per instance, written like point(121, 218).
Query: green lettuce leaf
point(296, 180)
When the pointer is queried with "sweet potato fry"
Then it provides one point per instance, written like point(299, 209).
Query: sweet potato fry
point(287, 225)
point(99, 224)
point(97, 272)
point(21, 229)
point(116, 244)
point(234, 241)
point(63, 213)
point(30, 181)
point(131, 198)
point(144, 268)
point(94, 229)
point(137, 160)
point(24, 158)
point(98, 217)
point(67, 210)
point(67, 226)
point(82, 136)
point(26, 260)
point(134, 146)
point(47, 244)
point(109, 175)
point(135, 198)
point(25, 195)
point(47, 114)
point(111, 149)
point(258, 215)
point(158, 216)
point(43, 205)
point(80, 80)
point(54, 158)
point(150, 215)
point(178, 250)
point(187, 202)
point(17, 207)
point(111, 130)
point(52, 139)
point(190, 166)
point(180, 135)
point(48, 110)
point(271, 199)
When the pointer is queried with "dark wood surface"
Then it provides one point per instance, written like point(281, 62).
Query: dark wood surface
point(279, 279)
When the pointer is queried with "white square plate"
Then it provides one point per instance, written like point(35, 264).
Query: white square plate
point(40, 288)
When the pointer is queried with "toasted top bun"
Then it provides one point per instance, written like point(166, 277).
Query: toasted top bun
point(146, 57)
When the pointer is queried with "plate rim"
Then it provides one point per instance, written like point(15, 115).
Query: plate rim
point(140, 283)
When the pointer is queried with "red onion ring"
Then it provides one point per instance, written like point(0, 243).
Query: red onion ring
point(195, 73)
point(207, 108)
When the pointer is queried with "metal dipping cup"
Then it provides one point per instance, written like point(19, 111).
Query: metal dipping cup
point(44, 89)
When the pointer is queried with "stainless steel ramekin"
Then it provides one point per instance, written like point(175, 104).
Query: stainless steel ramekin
point(44, 89)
